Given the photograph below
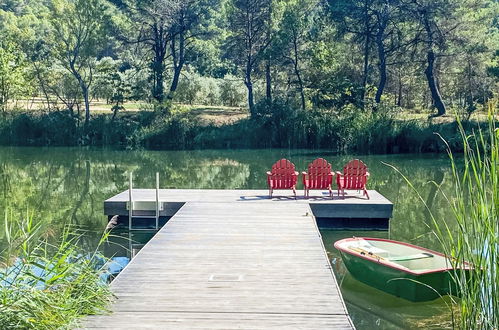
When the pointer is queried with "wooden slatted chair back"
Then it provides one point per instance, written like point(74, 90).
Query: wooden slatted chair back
point(319, 174)
point(283, 174)
point(355, 175)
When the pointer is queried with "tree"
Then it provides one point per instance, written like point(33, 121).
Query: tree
point(293, 39)
point(13, 64)
point(356, 17)
point(434, 39)
point(155, 20)
point(445, 29)
point(79, 32)
point(12, 74)
point(248, 41)
point(389, 36)
point(190, 22)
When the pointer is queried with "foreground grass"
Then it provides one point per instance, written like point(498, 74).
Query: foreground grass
point(46, 285)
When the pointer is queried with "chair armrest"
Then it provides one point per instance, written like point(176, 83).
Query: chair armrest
point(332, 173)
point(367, 174)
point(296, 173)
point(304, 173)
point(339, 173)
point(269, 173)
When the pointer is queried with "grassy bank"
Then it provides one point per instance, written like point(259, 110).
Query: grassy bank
point(47, 283)
point(347, 130)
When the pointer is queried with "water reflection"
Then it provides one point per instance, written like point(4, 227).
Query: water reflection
point(68, 186)
point(122, 246)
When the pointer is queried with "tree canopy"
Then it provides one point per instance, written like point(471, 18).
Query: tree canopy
point(413, 54)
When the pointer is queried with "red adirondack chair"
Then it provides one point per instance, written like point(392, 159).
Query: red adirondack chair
point(282, 176)
point(319, 176)
point(354, 177)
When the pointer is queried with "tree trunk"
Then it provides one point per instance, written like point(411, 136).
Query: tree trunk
point(469, 97)
point(302, 93)
point(297, 71)
point(158, 66)
point(175, 80)
point(84, 89)
point(178, 62)
point(268, 76)
point(249, 86)
point(382, 64)
point(399, 97)
point(251, 102)
point(42, 84)
point(268, 81)
point(432, 83)
point(158, 90)
point(3, 95)
point(430, 68)
point(367, 41)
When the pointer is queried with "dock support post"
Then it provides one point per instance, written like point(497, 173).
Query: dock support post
point(157, 200)
point(130, 201)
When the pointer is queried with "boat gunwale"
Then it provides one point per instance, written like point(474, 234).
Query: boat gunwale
point(391, 264)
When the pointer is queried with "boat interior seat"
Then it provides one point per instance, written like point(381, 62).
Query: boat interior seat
point(371, 249)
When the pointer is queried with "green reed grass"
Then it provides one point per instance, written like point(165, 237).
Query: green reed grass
point(46, 284)
point(475, 206)
point(471, 235)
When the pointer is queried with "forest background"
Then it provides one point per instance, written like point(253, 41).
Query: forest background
point(364, 76)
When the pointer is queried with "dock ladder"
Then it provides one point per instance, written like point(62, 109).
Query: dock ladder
point(143, 209)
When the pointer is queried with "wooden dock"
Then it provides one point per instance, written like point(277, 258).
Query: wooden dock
point(241, 261)
point(353, 212)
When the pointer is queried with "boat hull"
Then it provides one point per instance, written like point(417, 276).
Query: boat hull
point(412, 287)
point(400, 283)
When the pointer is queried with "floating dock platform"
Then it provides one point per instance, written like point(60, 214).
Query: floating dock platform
point(352, 212)
point(231, 259)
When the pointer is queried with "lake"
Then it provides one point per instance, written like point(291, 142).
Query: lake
point(62, 186)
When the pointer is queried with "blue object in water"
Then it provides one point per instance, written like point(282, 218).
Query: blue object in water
point(117, 264)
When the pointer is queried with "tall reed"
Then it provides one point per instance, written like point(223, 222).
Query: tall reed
point(471, 234)
point(475, 239)
point(46, 284)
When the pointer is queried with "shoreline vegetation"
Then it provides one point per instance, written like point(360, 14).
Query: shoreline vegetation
point(173, 127)
point(47, 282)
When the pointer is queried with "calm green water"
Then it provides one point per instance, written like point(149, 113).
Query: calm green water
point(67, 185)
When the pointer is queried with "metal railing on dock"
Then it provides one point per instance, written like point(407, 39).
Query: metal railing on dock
point(142, 206)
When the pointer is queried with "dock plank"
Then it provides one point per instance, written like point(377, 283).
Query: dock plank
point(226, 265)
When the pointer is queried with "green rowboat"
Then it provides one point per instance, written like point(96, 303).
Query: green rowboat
point(404, 270)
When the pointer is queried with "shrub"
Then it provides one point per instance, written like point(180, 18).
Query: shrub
point(278, 125)
point(232, 91)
